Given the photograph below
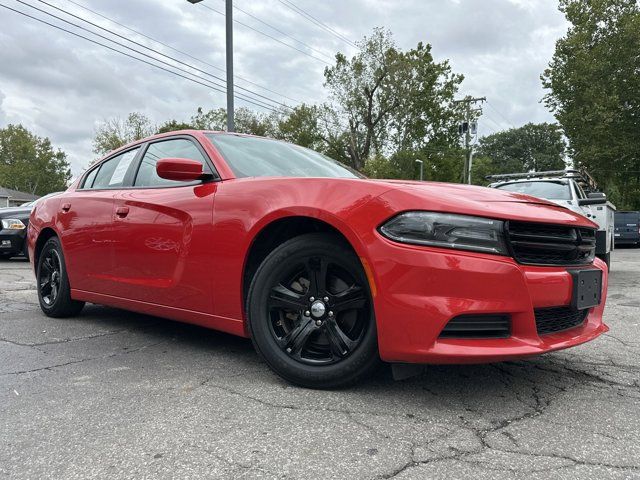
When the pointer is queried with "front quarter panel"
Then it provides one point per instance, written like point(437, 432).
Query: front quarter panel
point(244, 207)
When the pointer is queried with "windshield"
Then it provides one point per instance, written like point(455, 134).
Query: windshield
point(263, 157)
point(548, 190)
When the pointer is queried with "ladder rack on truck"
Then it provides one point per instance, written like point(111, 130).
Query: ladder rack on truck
point(581, 176)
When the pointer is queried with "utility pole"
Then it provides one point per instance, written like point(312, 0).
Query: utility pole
point(229, 34)
point(465, 128)
point(229, 27)
point(421, 167)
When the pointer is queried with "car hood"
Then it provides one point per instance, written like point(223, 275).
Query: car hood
point(11, 212)
point(481, 201)
point(472, 192)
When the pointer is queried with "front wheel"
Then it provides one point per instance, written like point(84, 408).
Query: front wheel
point(310, 313)
point(54, 292)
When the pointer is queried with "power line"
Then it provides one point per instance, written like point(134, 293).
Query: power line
point(193, 57)
point(280, 31)
point(139, 45)
point(503, 117)
point(208, 85)
point(497, 125)
point(314, 20)
point(265, 34)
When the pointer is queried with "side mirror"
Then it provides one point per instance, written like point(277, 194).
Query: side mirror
point(180, 169)
point(597, 195)
point(595, 198)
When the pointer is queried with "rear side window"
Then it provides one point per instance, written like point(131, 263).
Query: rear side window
point(112, 172)
point(175, 148)
point(88, 181)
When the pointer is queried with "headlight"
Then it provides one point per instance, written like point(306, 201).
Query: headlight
point(12, 224)
point(447, 230)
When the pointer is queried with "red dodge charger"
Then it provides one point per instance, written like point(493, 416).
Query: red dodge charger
point(326, 271)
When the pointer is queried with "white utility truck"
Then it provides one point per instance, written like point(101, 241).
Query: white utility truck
point(573, 189)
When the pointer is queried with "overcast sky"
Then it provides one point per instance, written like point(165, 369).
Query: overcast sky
point(62, 87)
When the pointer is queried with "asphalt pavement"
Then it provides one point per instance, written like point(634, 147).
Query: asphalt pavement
point(113, 394)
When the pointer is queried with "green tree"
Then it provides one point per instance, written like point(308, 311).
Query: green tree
point(172, 126)
point(30, 164)
point(388, 101)
point(302, 126)
point(594, 92)
point(246, 121)
point(534, 147)
point(116, 132)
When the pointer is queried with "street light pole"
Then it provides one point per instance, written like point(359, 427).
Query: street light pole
point(421, 166)
point(229, 34)
point(229, 27)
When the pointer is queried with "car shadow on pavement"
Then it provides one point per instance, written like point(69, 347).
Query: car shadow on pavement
point(535, 376)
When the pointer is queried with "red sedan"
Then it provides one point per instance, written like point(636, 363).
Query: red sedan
point(326, 271)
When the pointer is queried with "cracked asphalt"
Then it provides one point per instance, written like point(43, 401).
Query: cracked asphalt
point(112, 394)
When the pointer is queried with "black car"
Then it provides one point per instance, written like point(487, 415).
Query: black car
point(14, 229)
point(627, 228)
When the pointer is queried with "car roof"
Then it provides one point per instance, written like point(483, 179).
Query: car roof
point(192, 132)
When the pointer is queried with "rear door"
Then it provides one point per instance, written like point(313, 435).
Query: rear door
point(86, 223)
point(163, 232)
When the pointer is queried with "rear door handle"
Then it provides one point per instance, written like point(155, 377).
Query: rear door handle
point(66, 207)
point(122, 211)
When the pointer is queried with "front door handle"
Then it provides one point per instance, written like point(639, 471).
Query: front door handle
point(66, 207)
point(122, 211)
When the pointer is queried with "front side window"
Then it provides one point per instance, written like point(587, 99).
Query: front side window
point(176, 148)
point(262, 157)
point(548, 190)
point(112, 172)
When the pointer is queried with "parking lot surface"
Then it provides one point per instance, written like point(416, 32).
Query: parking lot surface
point(112, 394)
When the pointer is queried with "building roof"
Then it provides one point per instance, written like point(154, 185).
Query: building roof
point(16, 195)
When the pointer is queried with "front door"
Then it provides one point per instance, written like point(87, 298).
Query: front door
point(163, 231)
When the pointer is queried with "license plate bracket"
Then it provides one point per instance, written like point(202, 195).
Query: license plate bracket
point(587, 288)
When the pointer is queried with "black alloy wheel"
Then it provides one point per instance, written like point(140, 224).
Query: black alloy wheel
point(311, 313)
point(318, 312)
point(54, 292)
point(50, 277)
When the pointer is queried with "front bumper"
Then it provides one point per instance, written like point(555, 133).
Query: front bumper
point(12, 241)
point(417, 290)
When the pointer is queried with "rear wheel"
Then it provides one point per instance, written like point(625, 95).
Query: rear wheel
point(311, 315)
point(5, 256)
point(54, 292)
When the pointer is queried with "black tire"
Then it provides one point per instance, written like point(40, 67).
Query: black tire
point(54, 292)
point(303, 340)
point(5, 256)
point(25, 250)
point(606, 258)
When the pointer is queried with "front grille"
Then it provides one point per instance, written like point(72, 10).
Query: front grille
point(477, 326)
point(556, 319)
point(540, 244)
